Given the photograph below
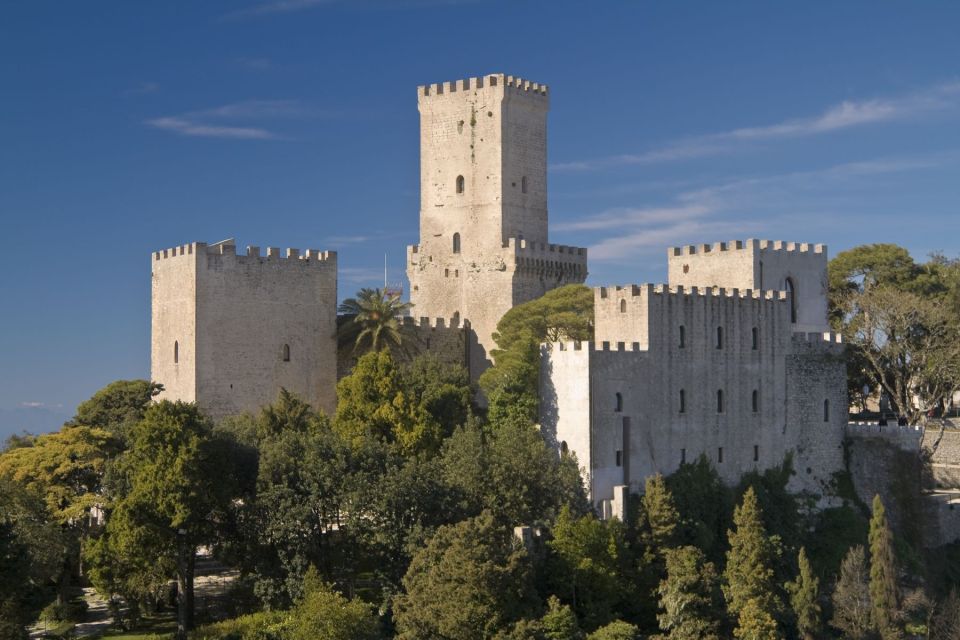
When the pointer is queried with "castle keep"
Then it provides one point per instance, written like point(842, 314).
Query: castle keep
point(732, 359)
point(742, 376)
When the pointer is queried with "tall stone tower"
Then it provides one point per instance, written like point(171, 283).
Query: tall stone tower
point(483, 206)
point(229, 330)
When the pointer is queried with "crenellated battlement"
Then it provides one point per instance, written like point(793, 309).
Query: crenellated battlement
point(543, 249)
point(646, 289)
point(252, 252)
point(604, 346)
point(424, 322)
point(741, 245)
point(513, 83)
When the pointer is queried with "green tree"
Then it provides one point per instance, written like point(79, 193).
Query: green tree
point(373, 323)
point(616, 630)
point(805, 598)
point(851, 597)
point(749, 572)
point(471, 581)
point(588, 566)
point(565, 313)
point(883, 574)
point(180, 488)
point(704, 504)
point(118, 406)
point(754, 622)
point(443, 390)
point(324, 614)
point(560, 622)
point(689, 596)
point(658, 523)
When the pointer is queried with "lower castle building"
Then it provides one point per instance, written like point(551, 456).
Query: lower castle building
point(678, 371)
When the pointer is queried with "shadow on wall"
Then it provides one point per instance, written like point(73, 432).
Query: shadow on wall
point(549, 411)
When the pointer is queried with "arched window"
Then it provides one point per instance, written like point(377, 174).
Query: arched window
point(755, 401)
point(683, 401)
point(683, 337)
point(456, 243)
point(460, 184)
point(826, 411)
point(792, 299)
point(286, 353)
point(523, 184)
point(619, 401)
point(176, 351)
point(719, 400)
point(719, 337)
point(755, 335)
point(623, 306)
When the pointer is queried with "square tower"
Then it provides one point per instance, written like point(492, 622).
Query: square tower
point(229, 330)
point(483, 205)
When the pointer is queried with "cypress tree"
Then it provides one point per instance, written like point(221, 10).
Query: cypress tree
point(689, 597)
point(804, 593)
point(749, 573)
point(755, 623)
point(851, 598)
point(883, 573)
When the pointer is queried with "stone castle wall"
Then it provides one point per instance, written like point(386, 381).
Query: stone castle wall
point(259, 323)
point(944, 452)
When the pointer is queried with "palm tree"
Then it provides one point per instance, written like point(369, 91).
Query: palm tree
point(374, 322)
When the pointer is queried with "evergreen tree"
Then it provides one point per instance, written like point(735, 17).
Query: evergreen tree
point(689, 596)
point(559, 622)
point(749, 573)
point(804, 595)
point(755, 623)
point(883, 574)
point(659, 516)
point(851, 598)
point(616, 630)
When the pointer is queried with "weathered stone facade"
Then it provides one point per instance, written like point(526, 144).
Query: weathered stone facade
point(483, 213)
point(692, 368)
point(228, 330)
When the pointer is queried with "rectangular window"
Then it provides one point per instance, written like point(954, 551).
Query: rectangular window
point(720, 455)
point(619, 458)
point(683, 456)
point(756, 453)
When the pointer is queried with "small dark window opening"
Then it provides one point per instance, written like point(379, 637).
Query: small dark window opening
point(456, 243)
point(683, 401)
point(523, 184)
point(755, 333)
point(683, 456)
point(623, 306)
point(719, 337)
point(719, 400)
point(720, 455)
point(826, 411)
point(756, 453)
point(756, 401)
point(460, 184)
point(619, 402)
point(792, 300)
point(619, 458)
point(683, 337)
point(176, 352)
point(286, 353)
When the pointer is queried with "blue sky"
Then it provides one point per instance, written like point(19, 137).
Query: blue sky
point(131, 126)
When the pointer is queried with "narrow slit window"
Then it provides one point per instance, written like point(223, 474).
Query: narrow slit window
point(826, 411)
point(683, 401)
point(456, 242)
point(619, 458)
point(683, 456)
point(719, 400)
point(755, 401)
point(286, 353)
point(720, 455)
point(756, 453)
point(523, 184)
point(623, 306)
point(719, 337)
point(619, 402)
point(792, 299)
point(176, 351)
point(460, 184)
point(755, 335)
point(683, 337)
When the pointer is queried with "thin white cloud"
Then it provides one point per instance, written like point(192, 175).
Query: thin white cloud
point(342, 240)
point(247, 109)
point(360, 274)
point(189, 128)
point(33, 405)
point(845, 115)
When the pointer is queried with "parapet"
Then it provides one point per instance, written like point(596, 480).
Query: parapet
point(606, 346)
point(312, 256)
point(508, 83)
point(423, 322)
point(750, 244)
point(633, 290)
point(542, 249)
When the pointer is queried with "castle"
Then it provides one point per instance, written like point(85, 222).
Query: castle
point(732, 359)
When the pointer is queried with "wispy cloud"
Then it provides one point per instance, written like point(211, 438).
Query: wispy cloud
point(342, 240)
point(220, 122)
point(845, 115)
point(32, 405)
point(360, 274)
point(729, 208)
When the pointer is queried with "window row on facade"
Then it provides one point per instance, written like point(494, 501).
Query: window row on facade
point(461, 185)
point(721, 403)
point(284, 352)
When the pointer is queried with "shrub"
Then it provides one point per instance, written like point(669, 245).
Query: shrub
point(265, 625)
